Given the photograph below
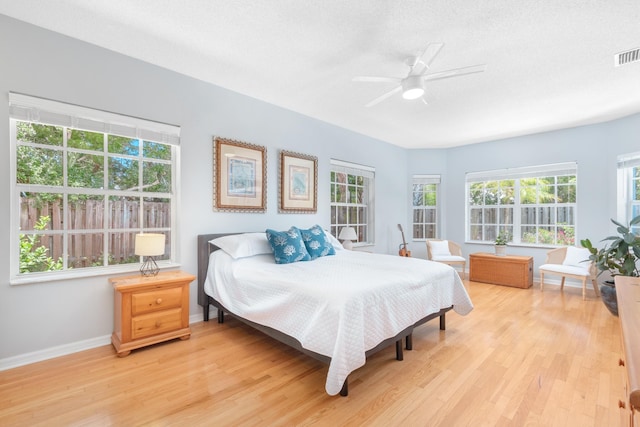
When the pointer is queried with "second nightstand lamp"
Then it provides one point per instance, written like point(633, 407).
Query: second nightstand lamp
point(348, 235)
point(149, 246)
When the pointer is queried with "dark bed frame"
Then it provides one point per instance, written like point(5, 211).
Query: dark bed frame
point(205, 249)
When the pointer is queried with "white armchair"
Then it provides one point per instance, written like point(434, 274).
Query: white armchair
point(446, 252)
point(572, 262)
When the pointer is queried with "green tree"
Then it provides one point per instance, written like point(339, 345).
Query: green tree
point(33, 257)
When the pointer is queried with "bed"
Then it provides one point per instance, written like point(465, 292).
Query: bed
point(337, 309)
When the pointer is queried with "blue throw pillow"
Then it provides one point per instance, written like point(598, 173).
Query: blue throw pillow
point(287, 246)
point(316, 242)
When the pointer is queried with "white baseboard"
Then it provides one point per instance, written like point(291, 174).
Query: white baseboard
point(50, 353)
point(63, 350)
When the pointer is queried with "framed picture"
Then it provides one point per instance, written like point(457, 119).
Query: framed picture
point(298, 183)
point(239, 176)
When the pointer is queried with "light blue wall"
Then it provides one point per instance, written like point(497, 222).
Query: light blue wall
point(41, 63)
point(595, 148)
point(37, 317)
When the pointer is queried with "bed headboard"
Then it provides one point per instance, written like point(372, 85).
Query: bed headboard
point(204, 249)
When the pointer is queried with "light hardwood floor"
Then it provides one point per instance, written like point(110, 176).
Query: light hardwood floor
point(521, 358)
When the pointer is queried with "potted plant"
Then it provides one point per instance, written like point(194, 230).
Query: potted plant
point(619, 258)
point(501, 243)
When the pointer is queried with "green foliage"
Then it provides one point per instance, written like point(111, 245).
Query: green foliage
point(503, 238)
point(34, 258)
point(620, 257)
point(565, 236)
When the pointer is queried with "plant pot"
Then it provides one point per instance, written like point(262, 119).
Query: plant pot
point(609, 298)
point(501, 250)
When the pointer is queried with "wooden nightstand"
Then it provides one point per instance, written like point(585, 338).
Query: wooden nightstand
point(149, 310)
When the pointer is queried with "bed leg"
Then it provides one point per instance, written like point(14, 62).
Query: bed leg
point(220, 316)
point(205, 311)
point(399, 354)
point(345, 387)
point(409, 340)
point(443, 323)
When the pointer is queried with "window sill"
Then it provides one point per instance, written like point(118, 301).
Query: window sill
point(516, 245)
point(26, 279)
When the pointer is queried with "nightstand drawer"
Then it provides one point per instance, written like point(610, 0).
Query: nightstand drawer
point(156, 323)
point(146, 302)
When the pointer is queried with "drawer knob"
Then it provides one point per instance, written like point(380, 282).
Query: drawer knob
point(159, 301)
point(621, 362)
point(621, 404)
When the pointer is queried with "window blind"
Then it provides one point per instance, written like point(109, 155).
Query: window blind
point(45, 111)
point(568, 168)
point(426, 179)
point(628, 160)
point(352, 168)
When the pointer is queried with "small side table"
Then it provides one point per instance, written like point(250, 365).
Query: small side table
point(509, 270)
point(149, 310)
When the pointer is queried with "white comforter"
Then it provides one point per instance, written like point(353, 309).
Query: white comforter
point(339, 306)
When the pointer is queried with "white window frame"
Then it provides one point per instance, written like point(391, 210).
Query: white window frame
point(24, 108)
point(628, 196)
point(423, 180)
point(368, 175)
point(516, 174)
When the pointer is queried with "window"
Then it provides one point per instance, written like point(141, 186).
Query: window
point(352, 189)
point(534, 205)
point(425, 206)
point(85, 183)
point(629, 188)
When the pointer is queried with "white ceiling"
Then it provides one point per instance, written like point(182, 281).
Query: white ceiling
point(549, 63)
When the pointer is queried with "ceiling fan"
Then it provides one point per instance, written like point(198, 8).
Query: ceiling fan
point(412, 85)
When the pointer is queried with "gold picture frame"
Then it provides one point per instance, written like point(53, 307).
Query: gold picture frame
point(298, 183)
point(239, 176)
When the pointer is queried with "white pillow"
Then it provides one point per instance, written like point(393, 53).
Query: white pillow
point(334, 242)
point(577, 257)
point(439, 248)
point(243, 245)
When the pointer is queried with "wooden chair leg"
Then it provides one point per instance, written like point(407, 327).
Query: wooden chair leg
point(595, 287)
point(562, 283)
point(584, 288)
point(541, 281)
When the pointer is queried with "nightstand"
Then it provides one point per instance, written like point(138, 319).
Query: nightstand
point(149, 310)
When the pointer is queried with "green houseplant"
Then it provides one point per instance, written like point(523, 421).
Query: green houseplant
point(501, 243)
point(618, 258)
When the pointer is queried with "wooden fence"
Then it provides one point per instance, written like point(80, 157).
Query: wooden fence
point(86, 248)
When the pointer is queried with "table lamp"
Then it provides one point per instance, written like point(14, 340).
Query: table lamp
point(348, 235)
point(149, 246)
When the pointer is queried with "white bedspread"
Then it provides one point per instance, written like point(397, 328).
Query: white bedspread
point(339, 306)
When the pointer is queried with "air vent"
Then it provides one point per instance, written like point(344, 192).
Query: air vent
point(627, 57)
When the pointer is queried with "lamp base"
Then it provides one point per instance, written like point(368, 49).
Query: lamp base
point(347, 244)
point(149, 267)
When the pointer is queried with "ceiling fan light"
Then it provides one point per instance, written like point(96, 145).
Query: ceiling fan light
point(412, 87)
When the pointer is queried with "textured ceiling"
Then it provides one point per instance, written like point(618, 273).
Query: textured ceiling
point(549, 63)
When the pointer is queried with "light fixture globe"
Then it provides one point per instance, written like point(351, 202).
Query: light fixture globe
point(412, 87)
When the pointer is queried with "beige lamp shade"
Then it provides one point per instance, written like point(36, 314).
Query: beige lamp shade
point(347, 235)
point(149, 244)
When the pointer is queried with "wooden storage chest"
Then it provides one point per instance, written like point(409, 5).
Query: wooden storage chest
point(509, 270)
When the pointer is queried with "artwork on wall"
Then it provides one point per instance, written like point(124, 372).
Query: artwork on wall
point(239, 176)
point(298, 182)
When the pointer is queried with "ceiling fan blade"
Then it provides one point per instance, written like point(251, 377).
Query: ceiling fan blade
point(384, 96)
point(430, 53)
point(455, 72)
point(377, 79)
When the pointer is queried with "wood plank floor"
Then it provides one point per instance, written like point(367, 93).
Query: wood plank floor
point(521, 358)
